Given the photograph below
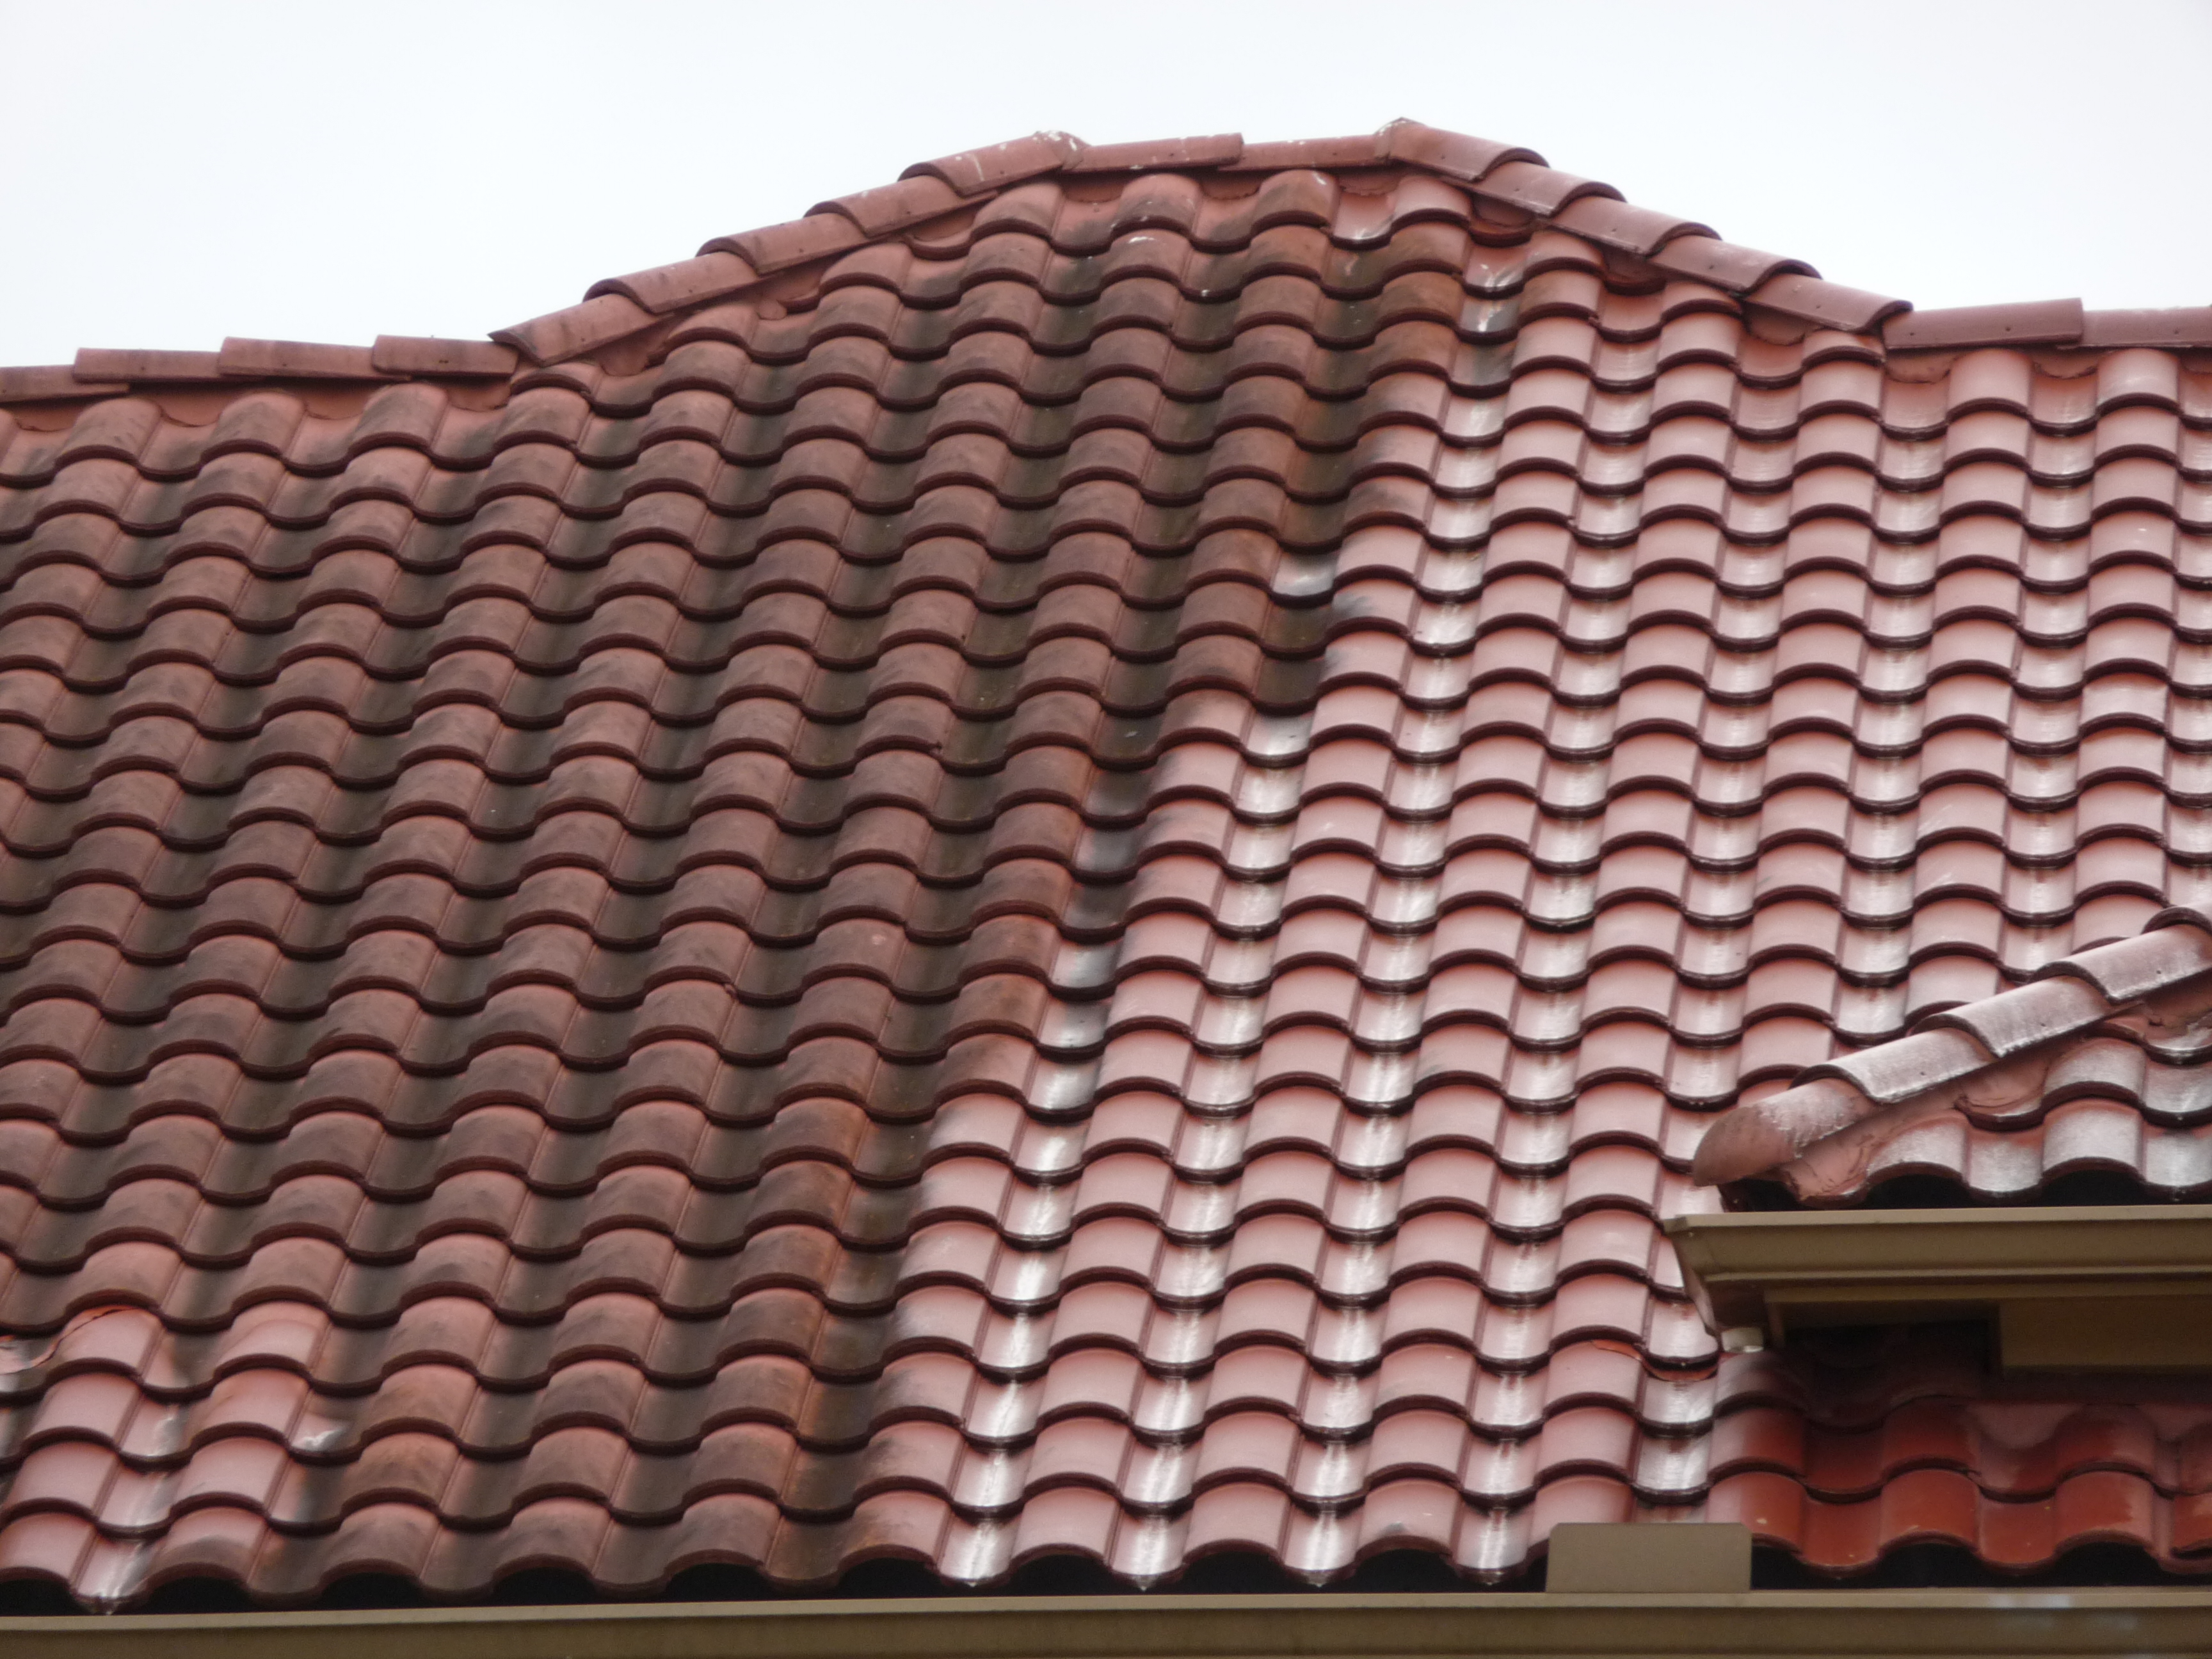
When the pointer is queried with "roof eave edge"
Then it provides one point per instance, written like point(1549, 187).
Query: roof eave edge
point(1318, 1625)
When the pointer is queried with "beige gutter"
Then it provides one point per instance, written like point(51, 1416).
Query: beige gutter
point(1900, 1623)
point(2103, 1287)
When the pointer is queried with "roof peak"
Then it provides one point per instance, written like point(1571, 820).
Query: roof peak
point(1506, 181)
point(1505, 178)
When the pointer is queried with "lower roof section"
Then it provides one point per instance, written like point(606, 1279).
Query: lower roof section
point(1892, 1622)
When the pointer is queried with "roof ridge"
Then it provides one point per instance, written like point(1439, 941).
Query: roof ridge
point(1506, 176)
point(1841, 1106)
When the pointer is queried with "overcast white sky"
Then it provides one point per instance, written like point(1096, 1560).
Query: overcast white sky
point(171, 173)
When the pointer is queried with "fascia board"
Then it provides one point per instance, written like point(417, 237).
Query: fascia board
point(2142, 1622)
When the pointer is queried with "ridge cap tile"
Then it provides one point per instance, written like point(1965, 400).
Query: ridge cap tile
point(2028, 1015)
point(1165, 155)
point(894, 207)
point(1907, 1065)
point(1364, 150)
point(2034, 322)
point(2175, 947)
point(1455, 154)
point(96, 363)
point(1624, 226)
point(427, 355)
point(775, 248)
point(573, 331)
point(1815, 300)
point(302, 359)
point(40, 382)
point(2176, 328)
point(1704, 257)
point(993, 166)
point(663, 288)
point(1538, 190)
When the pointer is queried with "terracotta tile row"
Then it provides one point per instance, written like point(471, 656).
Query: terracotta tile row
point(117, 1376)
point(1829, 569)
point(850, 1039)
point(738, 386)
point(1688, 467)
point(946, 754)
point(424, 1468)
point(395, 991)
point(978, 613)
point(1540, 470)
point(683, 1316)
point(634, 1558)
point(450, 1365)
point(1249, 784)
point(969, 1183)
point(1314, 1203)
point(1101, 1406)
point(1324, 965)
point(1295, 1145)
point(269, 451)
point(1554, 871)
point(623, 1559)
point(1985, 702)
point(1124, 426)
point(1085, 1398)
point(1469, 1067)
point(1099, 586)
point(830, 1074)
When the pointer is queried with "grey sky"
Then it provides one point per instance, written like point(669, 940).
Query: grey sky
point(173, 174)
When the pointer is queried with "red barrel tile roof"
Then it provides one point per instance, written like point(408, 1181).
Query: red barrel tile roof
point(2098, 1066)
point(1064, 859)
